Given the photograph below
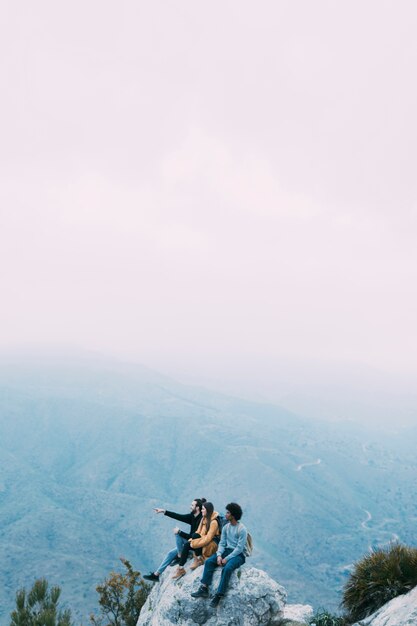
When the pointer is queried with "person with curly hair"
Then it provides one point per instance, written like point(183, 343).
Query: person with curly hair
point(229, 556)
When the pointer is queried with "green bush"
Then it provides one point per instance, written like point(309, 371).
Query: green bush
point(324, 618)
point(39, 607)
point(379, 577)
point(121, 598)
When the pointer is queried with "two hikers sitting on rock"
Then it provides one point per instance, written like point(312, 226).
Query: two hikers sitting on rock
point(203, 539)
point(181, 538)
point(230, 555)
point(204, 542)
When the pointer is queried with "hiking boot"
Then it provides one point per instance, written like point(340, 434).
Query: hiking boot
point(198, 560)
point(216, 599)
point(202, 592)
point(151, 576)
point(179, 573)
point(175, 561)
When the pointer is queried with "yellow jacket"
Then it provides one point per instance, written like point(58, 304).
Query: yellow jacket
point(207, 537)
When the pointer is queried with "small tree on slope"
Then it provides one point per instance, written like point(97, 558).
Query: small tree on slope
point(39, 607)
point(121, 598)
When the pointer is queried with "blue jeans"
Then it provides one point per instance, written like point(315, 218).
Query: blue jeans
point(211, 564)
point(180, 542)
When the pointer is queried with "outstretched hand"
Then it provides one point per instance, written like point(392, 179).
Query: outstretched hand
point(159, 510)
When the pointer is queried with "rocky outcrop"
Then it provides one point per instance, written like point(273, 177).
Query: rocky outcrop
point(253, 598)
point(401, 611)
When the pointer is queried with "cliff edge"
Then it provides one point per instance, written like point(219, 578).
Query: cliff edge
point(253, 599)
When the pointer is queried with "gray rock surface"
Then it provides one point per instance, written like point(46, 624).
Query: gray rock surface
point(401, 611)
point(296, 614)
point(253, 598)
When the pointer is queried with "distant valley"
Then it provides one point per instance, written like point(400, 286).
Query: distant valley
point(88, 447)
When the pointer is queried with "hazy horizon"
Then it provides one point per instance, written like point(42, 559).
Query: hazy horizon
point(336, 392)
point(215, 192)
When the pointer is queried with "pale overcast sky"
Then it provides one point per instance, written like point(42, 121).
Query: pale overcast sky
point(203, 186)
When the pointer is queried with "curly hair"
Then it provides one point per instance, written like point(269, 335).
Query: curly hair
point(235, 510)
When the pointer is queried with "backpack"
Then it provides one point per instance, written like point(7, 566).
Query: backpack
point(222, 521)
point(248, 549)
point(249, 545)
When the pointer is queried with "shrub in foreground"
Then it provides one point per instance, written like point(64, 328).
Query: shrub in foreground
point(324, 618)
point(39, 607)
point(121, 598)
point(379, 577)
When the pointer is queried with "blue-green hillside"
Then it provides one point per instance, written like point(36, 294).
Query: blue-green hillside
point(88, 447)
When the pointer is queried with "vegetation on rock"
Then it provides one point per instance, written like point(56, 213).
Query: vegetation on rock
point(378, 578)
point(324, 618)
